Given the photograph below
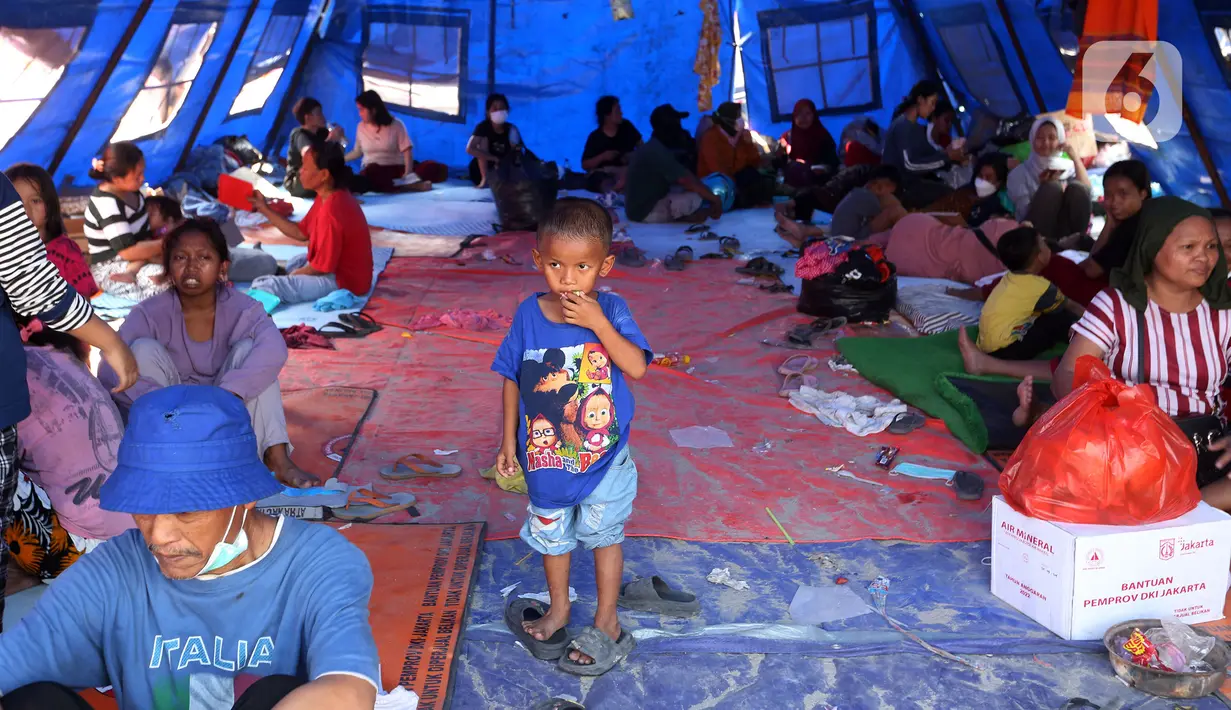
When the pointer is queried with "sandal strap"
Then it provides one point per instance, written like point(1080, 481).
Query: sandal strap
point(593, 643)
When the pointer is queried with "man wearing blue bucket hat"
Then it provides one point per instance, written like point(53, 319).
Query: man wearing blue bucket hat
point(659, 188)
point(209, 604)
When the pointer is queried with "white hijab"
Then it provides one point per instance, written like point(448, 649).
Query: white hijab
point(1024, 179)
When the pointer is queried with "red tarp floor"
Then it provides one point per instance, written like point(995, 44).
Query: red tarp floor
point(436, 391)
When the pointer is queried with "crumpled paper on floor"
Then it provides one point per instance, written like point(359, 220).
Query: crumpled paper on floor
point(860, 416)
point(822, 605)
point(701, 437)
point(723, 576)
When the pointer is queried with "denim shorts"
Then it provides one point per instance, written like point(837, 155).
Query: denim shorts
point(597, 521)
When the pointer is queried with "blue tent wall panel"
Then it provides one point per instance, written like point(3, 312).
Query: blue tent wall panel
point(106, 21)
point(256, 125)
point(1050, 73)
point(900, 66)
point(121, 87)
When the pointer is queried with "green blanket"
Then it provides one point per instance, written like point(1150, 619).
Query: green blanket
point(914, 370)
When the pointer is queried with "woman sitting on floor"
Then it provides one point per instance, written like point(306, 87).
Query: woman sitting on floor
point(339, 241)
point(204, 332)
point(42, 204)
point(861, 143)
point(727, 148)
point(1048, 190)
point(909, 148)
point(66, 450)
point(116, 229)
point(605, 157)
point(1165, 321)
point(312, 127)
point(493, 139)
point(384, 144)
point(811, 154)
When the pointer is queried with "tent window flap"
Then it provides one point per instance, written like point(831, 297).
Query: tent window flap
point(979, 59)
point(268, 63)
point(169, 81)
point(31, 63)
point(825, 53)
point(417, 63)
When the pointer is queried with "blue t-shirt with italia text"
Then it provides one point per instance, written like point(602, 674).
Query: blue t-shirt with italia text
point(576, 409)
point(112, 618)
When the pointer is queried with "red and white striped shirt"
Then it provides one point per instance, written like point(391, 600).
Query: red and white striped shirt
point(1185, 353)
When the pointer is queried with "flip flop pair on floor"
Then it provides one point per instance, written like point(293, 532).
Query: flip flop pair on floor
point(652, 595)
point(351, 325)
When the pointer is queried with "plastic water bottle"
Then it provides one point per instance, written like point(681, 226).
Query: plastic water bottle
point(671, 359)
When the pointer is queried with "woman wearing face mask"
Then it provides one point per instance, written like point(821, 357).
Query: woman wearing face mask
point(727, 148)
point(493, 139)
point(1048, 190)
point(982, 199)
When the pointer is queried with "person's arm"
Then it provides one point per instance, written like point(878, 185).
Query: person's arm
point(477, 148)
point(1079, 167)
point(357, 151)
point(339, 651)
point(147, 250)
point(264, 363)
point(1074, 307)
point(633, 359)
point(407, 148)
point(1092, 269)
point(919, 155)
point(1095, 334)
point(1019, 191)
point(284, 225)
point(510, 400)
point(1062, 380)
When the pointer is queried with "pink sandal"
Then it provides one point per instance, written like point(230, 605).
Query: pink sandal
point(798, 365)
point(793, 381)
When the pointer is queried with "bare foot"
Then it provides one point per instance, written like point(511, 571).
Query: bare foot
point(546, 626)
point(973, 359)
point(611, 627)
point(785, 208)
point(1025, 398)
point(279, 461)
point(792, 232)
point(124, 278)
point(18, 580)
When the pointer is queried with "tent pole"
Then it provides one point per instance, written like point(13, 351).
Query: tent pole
point(491, 47)
point(1021, 55)
point(288, 99)
point(97, 91)
point(213, 90)
point(1199, 141)
point(907, 8)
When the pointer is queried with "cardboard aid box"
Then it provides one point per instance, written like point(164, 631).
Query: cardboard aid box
point(1080, 580)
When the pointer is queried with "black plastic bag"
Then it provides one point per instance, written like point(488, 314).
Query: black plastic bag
point(1014, 130)
point(862, 289)
point(524, 189)
point(242, 149)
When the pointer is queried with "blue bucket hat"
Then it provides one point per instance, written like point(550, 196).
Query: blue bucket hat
point(187, 448)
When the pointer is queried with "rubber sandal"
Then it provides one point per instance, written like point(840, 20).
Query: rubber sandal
point(699, 227)
point(631, 257)
point(729, 245)
point(708, 237)
point(803, 334)
point(967, 486)
point(418, 466)
point(655, 596)
point(519, 610)
point(906, 422)
point(718, 255)
point(361, 322)
point(777, 287)
point(335, 329)
point(364, 504)
point(679, 259)
point(760, 266)
point(558, 704)
point(792, 383)
point(798, 365)
point(599, 646)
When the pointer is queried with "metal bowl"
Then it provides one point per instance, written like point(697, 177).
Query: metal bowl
point(1168, 684)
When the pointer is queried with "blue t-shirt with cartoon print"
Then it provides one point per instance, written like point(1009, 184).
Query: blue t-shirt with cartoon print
point(576, 410)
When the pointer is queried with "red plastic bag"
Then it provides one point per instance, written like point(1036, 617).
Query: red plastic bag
point(1106, 455)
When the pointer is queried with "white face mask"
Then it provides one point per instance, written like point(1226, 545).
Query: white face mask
point(983, 188)
point(499, 117)
point(225, 552)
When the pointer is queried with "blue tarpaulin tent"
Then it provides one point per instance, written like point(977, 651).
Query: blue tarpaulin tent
point(171, 74)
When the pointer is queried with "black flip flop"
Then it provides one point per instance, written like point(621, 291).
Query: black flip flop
point(361, 322)
point(778, 287)
point(699, 227)
point(631, 257)
point(906, 422)
point(519, 610)
point(760, 266)
point(967, 486)
point(335, 329)
point(730, 245)
point(657, 597)
point(679, 259)
point(803, 334)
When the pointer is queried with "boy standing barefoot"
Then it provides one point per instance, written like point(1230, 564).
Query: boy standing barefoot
point(567, 416)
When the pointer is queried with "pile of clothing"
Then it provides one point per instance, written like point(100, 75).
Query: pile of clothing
point(841, 279)
point(837, 256)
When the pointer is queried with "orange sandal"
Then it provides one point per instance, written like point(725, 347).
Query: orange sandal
point(366, 504)
point(418, 466)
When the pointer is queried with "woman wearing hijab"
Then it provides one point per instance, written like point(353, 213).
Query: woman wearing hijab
point(811, 152)
point(1165, 321)
point(861, 143)
point(727, 148)
point(1048, 190)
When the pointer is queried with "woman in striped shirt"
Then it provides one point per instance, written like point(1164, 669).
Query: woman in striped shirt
point(1166, 322)
point(117, 230)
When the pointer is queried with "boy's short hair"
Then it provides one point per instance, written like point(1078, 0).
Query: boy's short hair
point(303, 107)
point(886, 172)
point(1017, 248)
point(168, 207)
point(577, 218)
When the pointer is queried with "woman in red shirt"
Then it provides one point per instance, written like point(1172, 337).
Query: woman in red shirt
point(339, 241)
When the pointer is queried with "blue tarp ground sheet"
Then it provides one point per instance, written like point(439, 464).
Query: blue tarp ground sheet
point(743, 651)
